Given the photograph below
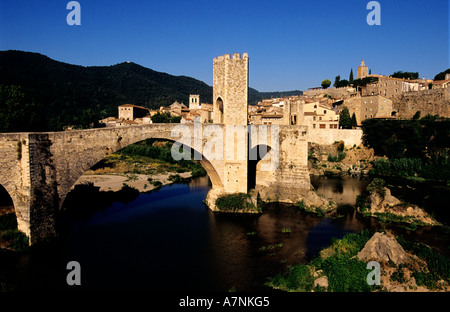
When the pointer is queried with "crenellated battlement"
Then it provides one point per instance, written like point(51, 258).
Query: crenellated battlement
point(236, 56)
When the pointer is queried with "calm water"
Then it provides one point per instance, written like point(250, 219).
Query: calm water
point(168, 240)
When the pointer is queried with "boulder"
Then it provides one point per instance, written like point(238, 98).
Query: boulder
point(383, 248)
point(321, 281)
point(390, 200)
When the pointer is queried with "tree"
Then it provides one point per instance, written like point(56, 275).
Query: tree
point(441, 75)
point(354, 122)
point(18, 112)
point(342, 83)
point(326, 83)
point(345, 121)
point(351, 76)
point(405, 75)
point(336, 81)
point(165, 118)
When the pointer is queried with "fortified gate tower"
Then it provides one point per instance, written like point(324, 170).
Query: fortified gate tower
point(230, 89)
point(230, 108)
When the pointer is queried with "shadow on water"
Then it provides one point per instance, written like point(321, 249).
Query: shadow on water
point(167, 240)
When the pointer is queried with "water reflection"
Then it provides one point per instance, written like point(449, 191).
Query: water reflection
point(168, 240)
point(340, 190)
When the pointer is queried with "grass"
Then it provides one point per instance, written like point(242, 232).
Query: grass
point(438, 266)
point(10, 236)
point(237, 202)
point(271, 247)
point(345, 273)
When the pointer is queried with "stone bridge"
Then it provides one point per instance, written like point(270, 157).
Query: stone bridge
point(39, 169)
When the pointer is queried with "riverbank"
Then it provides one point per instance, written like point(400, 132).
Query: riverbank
point(141, 182)
point(343, 267)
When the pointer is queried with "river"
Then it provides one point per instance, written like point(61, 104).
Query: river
point(167, 240)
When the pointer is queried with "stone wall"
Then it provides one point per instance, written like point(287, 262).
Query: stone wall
point(329, 136)
point(230, 85)
point(344, 92)
point(433, 102)
point(15, 175)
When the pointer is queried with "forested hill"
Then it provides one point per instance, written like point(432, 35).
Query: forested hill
point(52, 94)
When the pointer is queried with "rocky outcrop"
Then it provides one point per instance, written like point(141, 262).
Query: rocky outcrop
point(384, 204)
point(383, 248)
point(312, 202)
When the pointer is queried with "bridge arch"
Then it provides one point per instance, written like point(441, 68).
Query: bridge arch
point(256, 154)
point(87, 160)
point(9, 198)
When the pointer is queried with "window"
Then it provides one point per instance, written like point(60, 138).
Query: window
point(320, 118)
point(324, 112)
point(314, 118)
point(331, 126)
point(314, 126)
point(323, 126)
point(315, 106)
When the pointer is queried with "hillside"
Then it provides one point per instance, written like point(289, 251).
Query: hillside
point(53, 94)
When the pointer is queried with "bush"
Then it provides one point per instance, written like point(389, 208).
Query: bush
point(438, 265)
point(346, 274)
point(235, 202)
point(298, 278)
point(175, 178)
point(377, 186)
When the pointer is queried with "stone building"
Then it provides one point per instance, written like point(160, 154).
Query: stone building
point(363, 71)
point(131, 112)
point(230, 80)
point(373, 106)
point(194, 102)
point(393, 87)
point(320, 116)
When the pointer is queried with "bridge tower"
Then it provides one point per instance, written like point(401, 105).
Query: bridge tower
point(230, 108)
point(230, 89)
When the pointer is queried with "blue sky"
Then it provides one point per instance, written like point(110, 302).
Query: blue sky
point(291, 44)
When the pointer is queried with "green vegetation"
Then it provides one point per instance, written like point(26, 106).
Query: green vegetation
point(165, 118)
point(157, 153)
point(414, 148)
point(364, 81)
point(441, 75)
point(339, 157)
point(377, 186)
point(271, 247)
point(41, 94)
point(345, 121)
point(237, 202)
point(326, 83)
point(10, 236)
point(344, 272)
point(53, 103)
point(405, 75)
point(18, 111)
point(338, 83)
point(438, 266)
